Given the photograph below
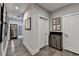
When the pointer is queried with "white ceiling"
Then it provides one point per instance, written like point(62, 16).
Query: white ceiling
point(53, 6)
point(11, 8)
point(23, 6)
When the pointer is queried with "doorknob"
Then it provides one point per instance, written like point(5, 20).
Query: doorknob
point(67, 35)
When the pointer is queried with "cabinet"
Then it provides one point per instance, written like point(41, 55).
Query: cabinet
point(56, 40)
point(56, 24)
point(55, 37)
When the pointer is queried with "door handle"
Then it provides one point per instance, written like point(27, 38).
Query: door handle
point(67, 35)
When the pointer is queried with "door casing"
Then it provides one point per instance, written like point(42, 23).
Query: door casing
point(64, 38)
point(47, 19)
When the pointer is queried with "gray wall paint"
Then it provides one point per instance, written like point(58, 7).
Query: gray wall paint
point(37, 10)
point(28, 34)
point(63, 11)
point(30, 37)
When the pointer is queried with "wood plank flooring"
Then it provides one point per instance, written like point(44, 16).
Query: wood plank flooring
point(16, 48)
point(49, 51)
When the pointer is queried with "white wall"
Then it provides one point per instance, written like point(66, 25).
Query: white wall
point(63, 11)
point(37, 10)
point(28, 34)
point(30, 37)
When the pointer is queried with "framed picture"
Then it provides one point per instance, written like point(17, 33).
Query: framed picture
point(28, 24)
point(54, 27)
point(13, 31)
point(53, 21)
point(58, 27)
point(20, 30)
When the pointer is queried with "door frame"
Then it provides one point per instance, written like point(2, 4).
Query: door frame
point(39, 31)
point(68, 15)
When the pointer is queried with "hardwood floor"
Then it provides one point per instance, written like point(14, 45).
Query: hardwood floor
point(16, 48)
point(49, 51)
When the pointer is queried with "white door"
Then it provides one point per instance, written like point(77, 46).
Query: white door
point(71, 33)
point(43, 32)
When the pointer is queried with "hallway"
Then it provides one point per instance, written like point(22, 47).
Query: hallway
point(16, 48)
point(29, 27)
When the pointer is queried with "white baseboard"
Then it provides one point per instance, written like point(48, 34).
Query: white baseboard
point(72, 50)
point(33, 52)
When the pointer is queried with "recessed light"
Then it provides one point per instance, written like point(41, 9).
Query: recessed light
point(14, 16)
point(16, 8)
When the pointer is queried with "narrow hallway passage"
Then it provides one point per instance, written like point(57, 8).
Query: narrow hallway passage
point(26, 20)
point(16, 48)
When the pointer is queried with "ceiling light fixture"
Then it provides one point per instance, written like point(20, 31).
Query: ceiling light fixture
point(16, 8)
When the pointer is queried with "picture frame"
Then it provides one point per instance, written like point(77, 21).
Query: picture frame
point(58, 27)
point(20, 30)
point(54, 27)
point(28, 24)
point(53, 21)
point(13, 31)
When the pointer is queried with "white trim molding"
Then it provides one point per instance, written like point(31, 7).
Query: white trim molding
point(38, 29)
point(33, 52)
